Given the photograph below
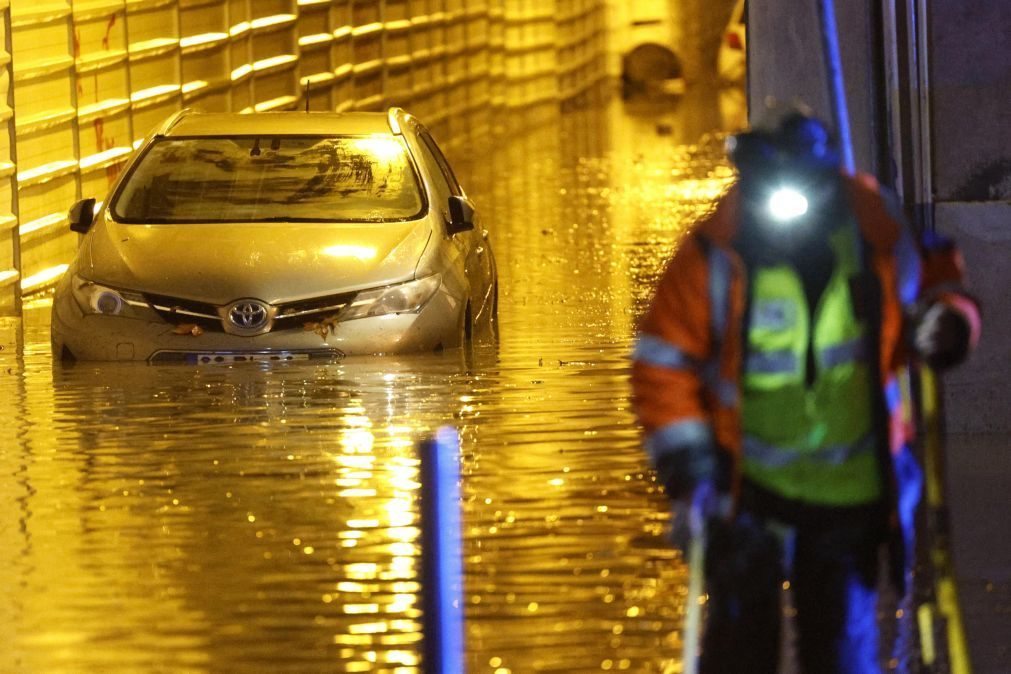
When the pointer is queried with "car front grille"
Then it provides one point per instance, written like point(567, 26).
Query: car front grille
point(290, 315)
point(178, 311)
point(312, 310)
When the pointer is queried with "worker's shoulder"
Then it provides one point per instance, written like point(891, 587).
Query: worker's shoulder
point(720, 226)
point(877, 208)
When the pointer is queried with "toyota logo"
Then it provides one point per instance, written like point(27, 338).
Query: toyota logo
point(248, 315)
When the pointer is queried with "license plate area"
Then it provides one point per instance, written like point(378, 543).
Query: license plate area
point(235, 357)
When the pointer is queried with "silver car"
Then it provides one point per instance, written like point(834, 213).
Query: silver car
point(277, 236)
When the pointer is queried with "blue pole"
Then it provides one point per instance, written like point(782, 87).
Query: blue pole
point(837, 98)
point(442, 559)
point(836, 88)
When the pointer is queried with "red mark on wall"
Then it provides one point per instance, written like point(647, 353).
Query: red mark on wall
point(108, 31)
point(103, 144)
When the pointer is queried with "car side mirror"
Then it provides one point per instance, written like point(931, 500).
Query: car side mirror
point(82, 215)
point(461, 215)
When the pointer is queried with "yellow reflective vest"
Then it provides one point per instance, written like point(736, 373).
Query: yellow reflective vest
point(810, 442)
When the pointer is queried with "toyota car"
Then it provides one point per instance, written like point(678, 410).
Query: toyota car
point(277, 236)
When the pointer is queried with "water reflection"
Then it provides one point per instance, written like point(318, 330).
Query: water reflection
point(265, 518)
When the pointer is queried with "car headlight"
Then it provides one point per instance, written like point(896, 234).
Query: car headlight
point(403, 298)
point(94, 298)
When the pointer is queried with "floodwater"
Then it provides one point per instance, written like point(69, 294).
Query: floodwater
point(265, 518)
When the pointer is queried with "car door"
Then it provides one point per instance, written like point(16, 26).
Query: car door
point(473, 245)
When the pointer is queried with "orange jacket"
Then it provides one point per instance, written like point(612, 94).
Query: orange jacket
point(687, 363)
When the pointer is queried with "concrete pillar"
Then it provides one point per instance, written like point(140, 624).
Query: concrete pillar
point(970, 58)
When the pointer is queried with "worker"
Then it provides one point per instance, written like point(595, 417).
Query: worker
point(766, 377)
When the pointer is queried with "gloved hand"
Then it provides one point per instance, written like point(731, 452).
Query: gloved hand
point(942, 337)
point(689, 515)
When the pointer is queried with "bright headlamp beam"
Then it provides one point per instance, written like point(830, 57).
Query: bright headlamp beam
point(787, 204)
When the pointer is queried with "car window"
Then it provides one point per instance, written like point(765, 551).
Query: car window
point(444, 167)
point(271, 178)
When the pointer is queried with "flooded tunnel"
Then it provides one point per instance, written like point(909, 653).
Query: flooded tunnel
point(266, 517)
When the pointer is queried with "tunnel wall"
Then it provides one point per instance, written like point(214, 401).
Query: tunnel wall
point(785, 64)
point(84, 80)
point(971, 89)
point(692, 29)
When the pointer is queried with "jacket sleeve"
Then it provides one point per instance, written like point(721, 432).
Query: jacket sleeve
point(932, 274)
point(671, 347)
point(944, 283)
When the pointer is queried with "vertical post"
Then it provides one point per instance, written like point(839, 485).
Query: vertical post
point(837, 98)
point(834, 74)
point(944, 606)
point(442, 561)
point(923, 144)
point(693, 611)
point(12, 143)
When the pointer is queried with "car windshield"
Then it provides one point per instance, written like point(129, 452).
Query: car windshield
point(271, 178)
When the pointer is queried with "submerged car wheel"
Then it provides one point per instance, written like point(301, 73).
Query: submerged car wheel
point(488, 325)
point(467, 334)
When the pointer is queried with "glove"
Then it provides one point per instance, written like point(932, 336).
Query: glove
point(942, 337)
point(689, 515)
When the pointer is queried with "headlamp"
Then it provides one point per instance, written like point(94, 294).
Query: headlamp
point(787, 204)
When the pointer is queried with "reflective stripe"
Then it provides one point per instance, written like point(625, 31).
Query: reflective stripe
point(843, 354)
point(893, 395)
point(727, 392)
point(688, 433)
point(653, 350)
point(773, 314)
point(720, 272)
point(772, 362)
point(719, 292)
point(686, 447)
point(724, 390)
point(772, 456)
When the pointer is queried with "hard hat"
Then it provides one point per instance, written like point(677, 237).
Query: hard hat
point(788, 166)
point(795, 141)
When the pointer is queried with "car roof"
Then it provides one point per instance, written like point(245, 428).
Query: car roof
point(191, 123)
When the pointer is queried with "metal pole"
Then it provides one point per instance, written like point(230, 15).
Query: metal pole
point(12, 143)
point(834, 74)
point(942, 613)
point(837, 98)
point(442, 560)
point(693, 611)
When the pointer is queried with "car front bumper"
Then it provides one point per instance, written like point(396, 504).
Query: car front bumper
point(80, 336)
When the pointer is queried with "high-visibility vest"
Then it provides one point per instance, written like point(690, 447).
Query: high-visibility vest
point(813, 443)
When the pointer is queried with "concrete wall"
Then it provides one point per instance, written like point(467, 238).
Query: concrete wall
point(692, 28)
point(971, 88)
point(786, 64)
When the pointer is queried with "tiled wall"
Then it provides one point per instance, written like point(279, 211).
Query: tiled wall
point(84, 80)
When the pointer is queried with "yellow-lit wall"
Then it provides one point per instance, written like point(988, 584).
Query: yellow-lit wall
point(86, 79)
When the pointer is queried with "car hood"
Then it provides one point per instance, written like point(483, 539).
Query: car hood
point(273, 262)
